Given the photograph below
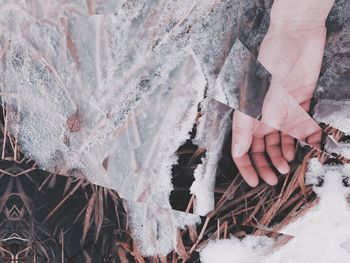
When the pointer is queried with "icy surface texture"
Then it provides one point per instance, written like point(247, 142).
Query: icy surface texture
point(333, 113)
point(213, 36)
point(109, 90)
point(214, 126)
point(340, 12)
point(48, 8)
point(333, 87)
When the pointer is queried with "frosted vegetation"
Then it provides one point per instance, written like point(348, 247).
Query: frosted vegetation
point(109, 90)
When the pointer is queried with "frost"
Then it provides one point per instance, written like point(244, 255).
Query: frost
point(314, 172)
point(212, 37)
point(333, 83)
point(333, 113)
point(110, 89)
point(340, 12)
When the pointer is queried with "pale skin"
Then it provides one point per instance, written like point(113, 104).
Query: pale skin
point(292, 52)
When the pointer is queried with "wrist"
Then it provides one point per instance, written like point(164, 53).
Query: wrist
point(289, 25)
point(300, 14)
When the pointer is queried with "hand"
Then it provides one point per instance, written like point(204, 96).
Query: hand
point(248, 133)
point(253, 139)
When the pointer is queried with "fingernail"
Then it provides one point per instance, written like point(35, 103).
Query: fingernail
point(273, 181)
point(236, 150)
point(254, 183)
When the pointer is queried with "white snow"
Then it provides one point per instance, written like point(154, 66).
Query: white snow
point(249, 250)
point(314, 172)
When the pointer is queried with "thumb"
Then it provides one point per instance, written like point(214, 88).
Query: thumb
point(242, 133)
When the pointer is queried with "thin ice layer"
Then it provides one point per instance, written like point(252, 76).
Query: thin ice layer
point(243, 82)
point(48, 8)
point(138, 162)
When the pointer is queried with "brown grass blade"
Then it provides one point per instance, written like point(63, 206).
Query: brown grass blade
point(88, 214)
point(180, 247)
point(99, 213)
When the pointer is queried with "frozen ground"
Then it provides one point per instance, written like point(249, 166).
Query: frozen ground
point(109, 90)
point(321, 236)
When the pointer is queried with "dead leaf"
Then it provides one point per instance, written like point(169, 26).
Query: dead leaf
point(105, 163)
point(73, 122)
point(122, 255)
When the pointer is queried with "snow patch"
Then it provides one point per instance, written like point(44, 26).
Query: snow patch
point(322, 234)
point(249, 250)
